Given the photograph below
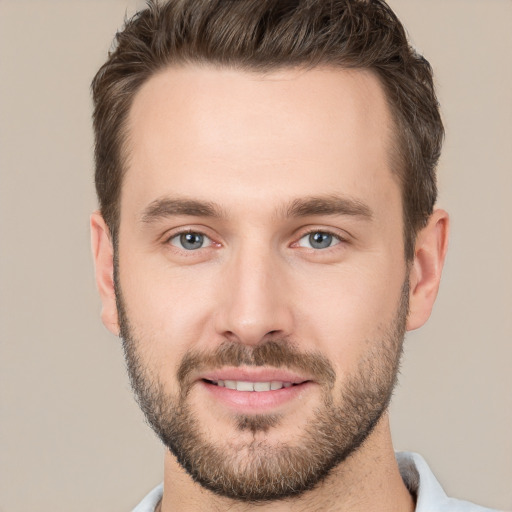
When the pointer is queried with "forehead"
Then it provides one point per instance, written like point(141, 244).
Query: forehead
point(201, 130)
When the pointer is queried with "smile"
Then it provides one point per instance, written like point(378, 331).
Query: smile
point(241, 385)
point(245, 394)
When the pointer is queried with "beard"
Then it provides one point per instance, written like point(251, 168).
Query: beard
point(258, 470)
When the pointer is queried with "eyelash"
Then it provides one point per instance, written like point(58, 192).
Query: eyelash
point(175, 235)
point(178, 234)
point(335, 236)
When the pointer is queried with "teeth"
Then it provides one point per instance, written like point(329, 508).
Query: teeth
point(244, 386)
point(262, 386)
point(241, 385)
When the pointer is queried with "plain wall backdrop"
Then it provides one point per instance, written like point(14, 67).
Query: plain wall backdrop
point(71, 436)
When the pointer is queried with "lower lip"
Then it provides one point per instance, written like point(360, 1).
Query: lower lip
point(256, 401)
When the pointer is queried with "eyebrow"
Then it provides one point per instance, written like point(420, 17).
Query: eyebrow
point(328, 205)
point(303, 207)
point(168, 207)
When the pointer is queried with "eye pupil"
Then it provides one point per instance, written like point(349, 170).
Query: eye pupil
point(320, 240)
point(191, 241)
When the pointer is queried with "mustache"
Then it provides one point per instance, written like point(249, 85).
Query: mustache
point(273, 353)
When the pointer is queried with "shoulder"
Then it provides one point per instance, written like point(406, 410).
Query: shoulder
point(430, 496)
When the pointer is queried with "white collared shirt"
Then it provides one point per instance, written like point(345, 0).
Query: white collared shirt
point(422, 483)
point(416, 474)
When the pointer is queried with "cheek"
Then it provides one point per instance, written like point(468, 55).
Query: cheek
point(347, 311)
point(166, 307)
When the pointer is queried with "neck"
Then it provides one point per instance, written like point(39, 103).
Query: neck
point(368, 480)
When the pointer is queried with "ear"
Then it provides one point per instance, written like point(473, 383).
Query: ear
point(425, 276)
point(103, 254)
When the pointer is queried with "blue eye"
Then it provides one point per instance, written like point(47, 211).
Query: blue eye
point(318, 240)
point(190, 241)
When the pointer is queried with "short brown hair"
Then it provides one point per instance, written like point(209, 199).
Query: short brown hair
point(262, 35)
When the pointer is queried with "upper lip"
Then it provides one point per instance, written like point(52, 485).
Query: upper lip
point(250, 374)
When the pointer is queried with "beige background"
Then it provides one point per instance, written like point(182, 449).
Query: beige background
point(71, 438)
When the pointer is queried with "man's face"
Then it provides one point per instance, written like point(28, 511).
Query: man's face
point(260, 248)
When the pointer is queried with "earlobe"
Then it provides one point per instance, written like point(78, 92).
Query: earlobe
point(425, 276)
point(103, 254)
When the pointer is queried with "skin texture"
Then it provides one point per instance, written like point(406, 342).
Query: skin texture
point(251, 151)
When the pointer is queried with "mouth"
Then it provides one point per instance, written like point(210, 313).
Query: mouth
point(251, 391)
point(258, 387)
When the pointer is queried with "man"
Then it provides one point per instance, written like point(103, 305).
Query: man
point(266, 236)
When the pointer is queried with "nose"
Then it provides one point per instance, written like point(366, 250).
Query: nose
point(255, 302)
